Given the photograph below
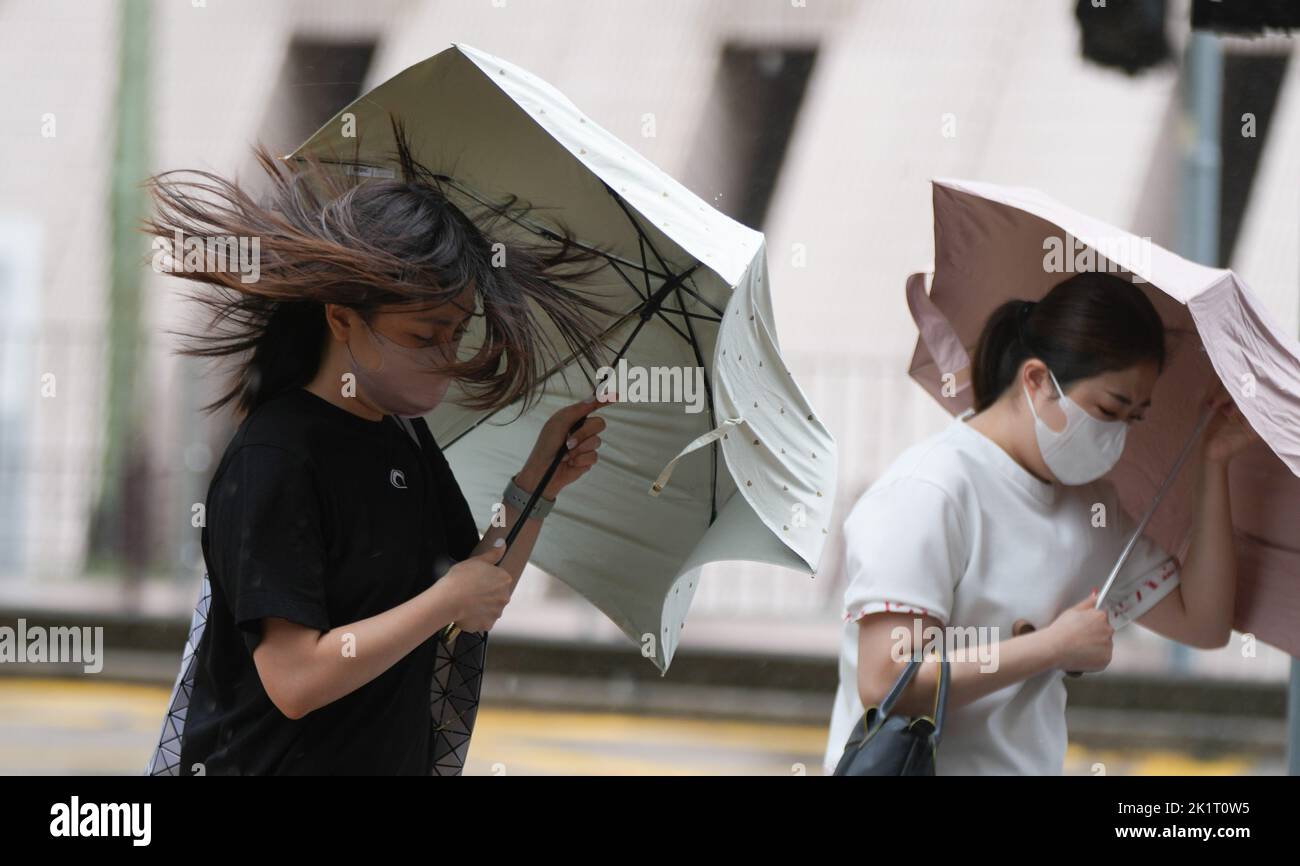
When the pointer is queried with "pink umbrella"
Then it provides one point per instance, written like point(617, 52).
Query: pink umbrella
point(993, 244)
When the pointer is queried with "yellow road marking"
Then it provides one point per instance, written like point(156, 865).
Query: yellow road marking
point(519, 740)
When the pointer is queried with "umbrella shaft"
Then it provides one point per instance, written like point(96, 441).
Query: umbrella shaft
point(452, 630)
point(541, 485)
point(1151, 509)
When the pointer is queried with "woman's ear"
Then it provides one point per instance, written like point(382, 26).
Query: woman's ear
point(339, 320)
point(1032, 377)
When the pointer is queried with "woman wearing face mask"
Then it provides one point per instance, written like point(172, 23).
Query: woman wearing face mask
point(1003, 516)
point(338, 546)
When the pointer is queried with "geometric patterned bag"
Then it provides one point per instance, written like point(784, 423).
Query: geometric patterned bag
point(453, 698)
point(166, 760)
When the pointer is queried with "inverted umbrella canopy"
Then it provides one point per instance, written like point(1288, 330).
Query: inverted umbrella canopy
point(756, 477)
point(994, 244)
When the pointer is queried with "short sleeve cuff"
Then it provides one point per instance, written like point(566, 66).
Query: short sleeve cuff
point(1150, 590)
point(858, 611)
point(256, 606)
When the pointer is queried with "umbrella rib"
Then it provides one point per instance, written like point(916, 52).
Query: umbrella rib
point(543, 231)
point(692, 315)
point(699, 359)
point(694, 345)
point(713, 421)
point(659, 314)
point(645, 266)
point(644, 310)
point(695, 294)
point(643, 240)
point(547, 375)
point(654, 304)
point(650, 305)
point(637, 227)
point(539, 229)
point(628, 280)
point(535, 228)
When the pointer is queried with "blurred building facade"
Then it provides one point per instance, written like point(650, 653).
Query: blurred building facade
point(820, 124)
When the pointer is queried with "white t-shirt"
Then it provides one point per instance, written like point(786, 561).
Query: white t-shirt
point(958, 529)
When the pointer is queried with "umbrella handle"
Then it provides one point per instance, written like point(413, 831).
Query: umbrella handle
point(452, 630)
point(1023, 627)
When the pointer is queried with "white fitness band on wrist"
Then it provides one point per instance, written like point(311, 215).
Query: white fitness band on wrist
point(518, 497)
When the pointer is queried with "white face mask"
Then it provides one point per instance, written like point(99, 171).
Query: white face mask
point(1086, 449)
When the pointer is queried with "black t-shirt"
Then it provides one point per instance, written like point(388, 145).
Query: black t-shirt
point(321, 517)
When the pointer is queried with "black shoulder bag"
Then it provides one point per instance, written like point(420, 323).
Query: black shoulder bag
point(886, 745)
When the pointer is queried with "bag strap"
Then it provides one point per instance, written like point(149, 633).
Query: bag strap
point(409, 426)
point(940, 693)
point(941, 699)
point(887, 705)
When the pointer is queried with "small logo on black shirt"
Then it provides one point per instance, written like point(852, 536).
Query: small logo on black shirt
point(397, 478)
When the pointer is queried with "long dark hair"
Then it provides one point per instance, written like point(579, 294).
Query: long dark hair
point(365, 242)
point(1088, 324)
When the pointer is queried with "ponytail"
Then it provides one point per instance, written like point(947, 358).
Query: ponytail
point(999, 353)
point(1086, 325)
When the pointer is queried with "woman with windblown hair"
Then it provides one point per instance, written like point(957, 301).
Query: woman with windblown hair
point(337, 542)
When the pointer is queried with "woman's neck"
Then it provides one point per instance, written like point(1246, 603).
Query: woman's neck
point(1000, 424)
point(325, 385)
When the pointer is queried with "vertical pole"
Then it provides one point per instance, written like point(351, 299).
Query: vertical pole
point(1198, 216)
point(1293, 721)
point(1293, 693)
point(116, 528)
point(1198, 226)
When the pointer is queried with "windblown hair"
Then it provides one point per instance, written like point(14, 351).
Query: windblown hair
point(365, 242)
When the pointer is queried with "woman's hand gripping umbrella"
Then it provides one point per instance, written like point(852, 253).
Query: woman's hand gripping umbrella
point(1227, 434)
point(572, 436)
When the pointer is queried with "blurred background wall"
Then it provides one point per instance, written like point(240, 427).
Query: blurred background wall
point(820, 124)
